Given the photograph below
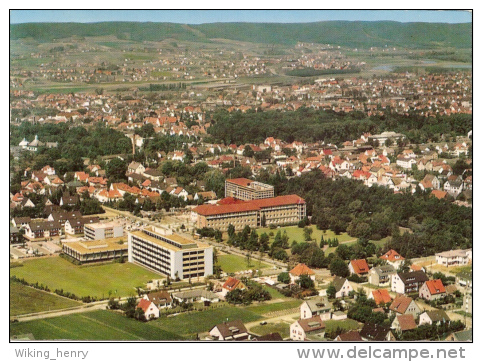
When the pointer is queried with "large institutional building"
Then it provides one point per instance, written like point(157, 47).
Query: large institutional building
point(288, 209)
point(100, 230)
point(246, 189)
point(170, 254)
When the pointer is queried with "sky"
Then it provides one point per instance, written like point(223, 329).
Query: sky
point(211, 16)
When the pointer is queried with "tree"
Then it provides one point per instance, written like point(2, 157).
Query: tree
point(307, 232)
point(331, 291)
point(284, 277)
point(116, 170)
point(339, 268)
point(305, 282)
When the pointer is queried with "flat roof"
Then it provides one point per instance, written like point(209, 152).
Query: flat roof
point(173, 237)
point(96, 246)
point(101, 225)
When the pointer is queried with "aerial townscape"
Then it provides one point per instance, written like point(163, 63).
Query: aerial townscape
point(241, 181)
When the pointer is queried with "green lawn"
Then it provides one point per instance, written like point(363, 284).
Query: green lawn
point(296, 233)
point(24, 300)
point(93, 280)
point(189, 324)
point(275, 294)
point(273, 307)
point(96, 326)
point(231, 263)
point(282, 328)
point(346, 324)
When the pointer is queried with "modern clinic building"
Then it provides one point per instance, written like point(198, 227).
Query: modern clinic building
point(170, 254)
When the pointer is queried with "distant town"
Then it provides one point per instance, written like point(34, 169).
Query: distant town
point(232, 191)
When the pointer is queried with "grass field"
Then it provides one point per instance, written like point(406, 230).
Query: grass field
point(296, 234)
point(188, 325)
point(346, 324)
point(91, 280)
point(24, 300)
point(231, 263)
point(95, 326)
point(273, 307)
point(282, 328)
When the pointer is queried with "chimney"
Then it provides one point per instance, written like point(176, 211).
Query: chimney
point(134, 144)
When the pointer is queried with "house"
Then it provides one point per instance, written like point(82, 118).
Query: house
point(180, 192)
point(161, 299)
point(432, 290)
point(381, 275)
point(194, 295)
point(358, 267)
point(377, 333)
point(136, 167)
point(342, 287)
point(380, 296)
point(21, 222)
point(68, 200)
point(461, 336)
point(310, 329)
point(149, 308)
point(230, 331)
point(393, 258)
point(454, 187)
point(299, 270)
point(350, 336)
point(454, 257)
point(42, 229)
point(231, 284)
point(318, 306)
point(409, 282)
point(404, 305)
point(76, 225)
point(437, 316)
point(403, 322)
point(430, 182)
point(15, 236)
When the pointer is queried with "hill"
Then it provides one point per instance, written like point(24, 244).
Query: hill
point(344, 33)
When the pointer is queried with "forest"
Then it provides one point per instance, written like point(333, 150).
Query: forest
point(310, 125)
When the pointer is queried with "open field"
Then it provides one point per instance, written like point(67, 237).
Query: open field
point(346, 324)
point(91, 280)
point(296, 234)
point(273, 307)
point(189, 324)
point(231, 263)
point(24, 300)
point(95, 326)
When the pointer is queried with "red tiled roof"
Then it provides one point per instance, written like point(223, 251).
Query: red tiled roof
point(301, 269)
point(435, 286)
point(144, 304)
point(381, 296)
point(400, 304)
point(231, 283)
point(360, 266)
point(240, 181)
point(392, 255)
point(407, 322)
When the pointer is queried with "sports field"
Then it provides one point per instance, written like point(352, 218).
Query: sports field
point(89, 280)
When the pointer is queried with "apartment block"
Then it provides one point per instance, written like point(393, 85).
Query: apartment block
point(246, 189)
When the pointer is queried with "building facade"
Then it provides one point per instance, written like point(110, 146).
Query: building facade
point(96, 250)
point(288, 209)
point(170, 254)
point(98, 231)
point(246, 189)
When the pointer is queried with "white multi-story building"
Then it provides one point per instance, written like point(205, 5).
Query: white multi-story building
point(170, 254)
point(454, 257)
point(101, 230)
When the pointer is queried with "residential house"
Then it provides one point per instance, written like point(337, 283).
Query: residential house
point(69, 200)
point(376, 333)
point(359, 267)
point(195, 295)
point(75, 225)
point(298, 271)
point(318, 306)
point(381, 275)
point(310, 329)
point(380, 296)
point(149, 308)
point(430, 182)
point(161, 299)
point(342, 287)
point(393, 258)
point(404, 305)
point(232, 284)
point(403, 323)
point(230, 331)
point(461, 336)
point(42, 229)
point(437, 316)
point(350, 336)
point(409, 282)
point(136, 167)
point(15, 236)
point(454, 187)
point(454, 257)
point(21, 222)
point(432, 290)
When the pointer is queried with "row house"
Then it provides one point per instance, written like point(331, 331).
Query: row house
point(42, 230)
